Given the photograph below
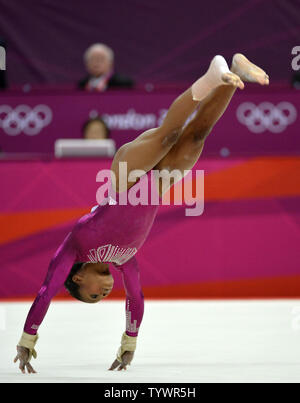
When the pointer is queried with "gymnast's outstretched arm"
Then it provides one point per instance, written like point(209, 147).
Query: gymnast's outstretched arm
point(134, 313)
point(58, 271)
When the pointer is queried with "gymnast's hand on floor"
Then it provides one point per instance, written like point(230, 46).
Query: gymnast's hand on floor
point(23, 354)
point(126, 360)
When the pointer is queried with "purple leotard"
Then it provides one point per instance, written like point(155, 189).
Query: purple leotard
point(111, 233)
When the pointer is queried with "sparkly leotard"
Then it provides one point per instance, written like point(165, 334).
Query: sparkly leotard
point(111, 233)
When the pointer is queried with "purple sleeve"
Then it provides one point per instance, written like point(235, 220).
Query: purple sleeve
point(58, 271)
point(134, 296)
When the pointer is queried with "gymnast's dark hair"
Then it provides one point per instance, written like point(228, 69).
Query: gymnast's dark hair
point(72, 287)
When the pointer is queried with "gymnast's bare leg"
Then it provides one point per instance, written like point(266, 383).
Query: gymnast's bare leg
point(187, 150)
point(176, 146)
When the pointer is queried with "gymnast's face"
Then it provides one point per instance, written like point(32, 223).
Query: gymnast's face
point(95, 282)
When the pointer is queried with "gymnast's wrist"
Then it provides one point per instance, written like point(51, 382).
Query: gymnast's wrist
point(28, 340)
point(128, 343)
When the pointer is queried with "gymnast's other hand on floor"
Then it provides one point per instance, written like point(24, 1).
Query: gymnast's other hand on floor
point(23, 354)
point(126, 360)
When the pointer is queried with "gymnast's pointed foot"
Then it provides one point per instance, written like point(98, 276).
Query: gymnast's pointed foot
point(248, 71)
point(217, 74)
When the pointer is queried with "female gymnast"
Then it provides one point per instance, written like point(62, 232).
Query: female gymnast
point(112, 233)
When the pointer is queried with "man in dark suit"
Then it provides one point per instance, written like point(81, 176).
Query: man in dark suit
point(99, 62)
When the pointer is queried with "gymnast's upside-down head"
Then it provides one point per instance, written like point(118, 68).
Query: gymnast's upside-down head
point(89, 282)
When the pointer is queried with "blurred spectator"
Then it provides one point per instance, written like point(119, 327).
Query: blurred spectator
point(3, 83)
point(99, 63)
point(95, 129)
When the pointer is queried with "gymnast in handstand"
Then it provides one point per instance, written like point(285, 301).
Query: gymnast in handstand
point(111, 235)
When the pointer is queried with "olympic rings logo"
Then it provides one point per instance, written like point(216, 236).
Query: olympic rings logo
point(24, 119)
point(266, 116)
